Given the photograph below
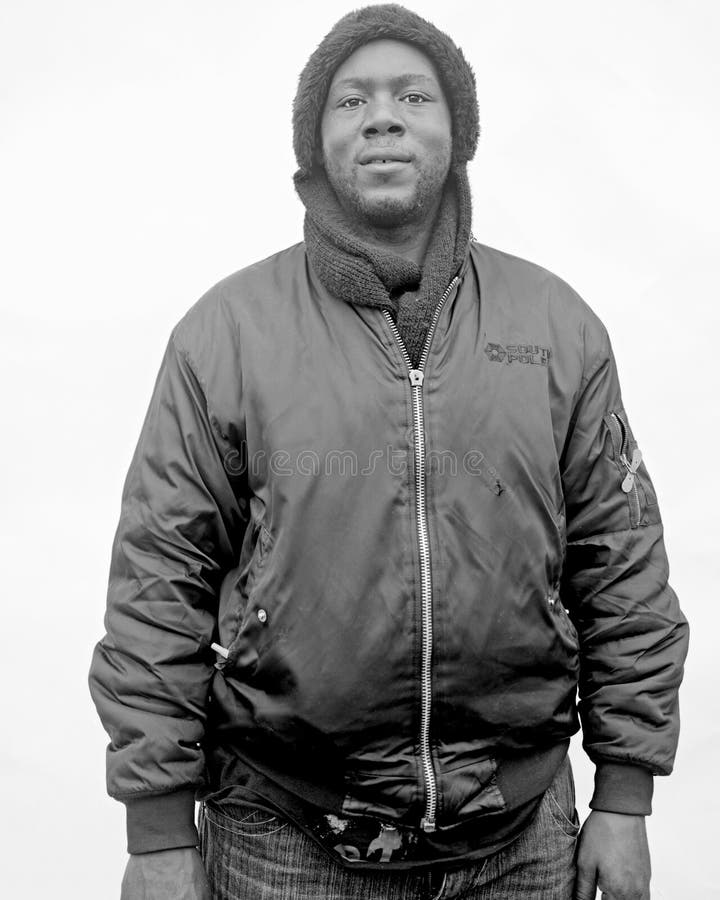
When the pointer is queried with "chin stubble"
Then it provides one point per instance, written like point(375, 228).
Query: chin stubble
point(389, 212)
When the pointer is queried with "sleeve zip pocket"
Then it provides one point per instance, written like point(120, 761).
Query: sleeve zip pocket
point(628, 459)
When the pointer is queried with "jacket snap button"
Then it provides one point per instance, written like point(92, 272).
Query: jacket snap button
point(262, 616)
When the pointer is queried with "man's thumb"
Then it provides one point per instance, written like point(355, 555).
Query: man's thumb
point(585, 884)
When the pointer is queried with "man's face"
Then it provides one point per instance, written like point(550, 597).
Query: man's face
point(386, 135)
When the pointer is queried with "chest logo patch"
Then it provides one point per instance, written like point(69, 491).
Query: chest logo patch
point(528, 354)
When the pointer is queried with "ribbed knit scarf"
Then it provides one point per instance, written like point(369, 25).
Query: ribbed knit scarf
point(363, 274)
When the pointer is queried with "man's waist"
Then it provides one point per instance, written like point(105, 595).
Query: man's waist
point(363, 830)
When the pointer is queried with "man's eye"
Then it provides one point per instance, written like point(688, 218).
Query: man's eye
point(351, 103)
point(414, 98)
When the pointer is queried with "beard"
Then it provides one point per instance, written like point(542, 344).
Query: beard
point(387, 211)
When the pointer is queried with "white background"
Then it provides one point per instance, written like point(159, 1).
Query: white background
point(145, 153)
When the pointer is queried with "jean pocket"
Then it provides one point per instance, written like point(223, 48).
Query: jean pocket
point(245, 821)
point(559, 801)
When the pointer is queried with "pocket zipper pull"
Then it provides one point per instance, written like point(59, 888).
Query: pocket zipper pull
point(632, 467)
point(222, 651)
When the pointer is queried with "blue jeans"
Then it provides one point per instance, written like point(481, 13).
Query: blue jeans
point(258, 856)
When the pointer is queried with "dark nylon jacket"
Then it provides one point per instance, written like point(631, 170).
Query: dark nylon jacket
point(396, 622)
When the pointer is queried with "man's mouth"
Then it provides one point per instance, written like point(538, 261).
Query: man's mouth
point(383, 159)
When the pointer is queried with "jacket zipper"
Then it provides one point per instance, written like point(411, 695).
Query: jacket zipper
point(416, 376)
point(629, 482)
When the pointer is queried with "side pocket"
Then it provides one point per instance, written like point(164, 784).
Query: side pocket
point(259, 557)
point(554, 600)
point(251, 573)
point(237, 592)
point(633, 478)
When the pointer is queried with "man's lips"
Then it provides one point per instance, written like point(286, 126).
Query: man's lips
point(381, 157)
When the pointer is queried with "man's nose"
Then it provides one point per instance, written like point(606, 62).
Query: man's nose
point(382, 118)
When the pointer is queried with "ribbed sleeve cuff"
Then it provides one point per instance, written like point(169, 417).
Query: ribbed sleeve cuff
point(622, 788)
point(161, 822)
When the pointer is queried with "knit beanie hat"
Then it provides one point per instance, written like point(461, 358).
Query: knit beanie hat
point(372, 23)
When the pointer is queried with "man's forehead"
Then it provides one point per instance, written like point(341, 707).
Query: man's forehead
point(386, 60)
point(397, 81)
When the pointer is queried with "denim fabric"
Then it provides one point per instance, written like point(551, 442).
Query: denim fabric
point(258, 856)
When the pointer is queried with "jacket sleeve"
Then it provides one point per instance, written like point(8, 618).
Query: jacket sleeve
point(633, 636)
point(179, 528)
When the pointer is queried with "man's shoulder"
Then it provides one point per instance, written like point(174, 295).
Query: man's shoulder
point(275, 269)
point(246, 302)
point(528, 283)
point(244, 284)
point(245, 292)
point(519, 273)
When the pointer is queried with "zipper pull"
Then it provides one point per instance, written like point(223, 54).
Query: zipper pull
point(416, 377)
point(427, 825)
point(221, 651)
point(632, 467)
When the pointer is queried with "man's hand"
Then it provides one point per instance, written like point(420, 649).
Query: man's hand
point(176, 874)
point(613, 855)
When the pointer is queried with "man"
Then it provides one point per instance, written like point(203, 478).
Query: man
point(386, 513)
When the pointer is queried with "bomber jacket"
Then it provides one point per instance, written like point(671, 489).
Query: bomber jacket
point(359, 591)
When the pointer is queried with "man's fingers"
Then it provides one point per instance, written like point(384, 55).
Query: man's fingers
point(585, 884)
